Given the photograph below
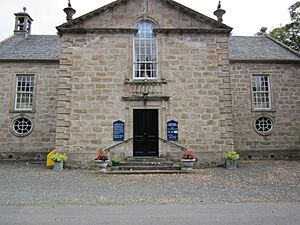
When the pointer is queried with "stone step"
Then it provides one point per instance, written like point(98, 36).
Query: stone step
point(147, 172)
point(145, 163)
point(145, 159)
point(148, 167)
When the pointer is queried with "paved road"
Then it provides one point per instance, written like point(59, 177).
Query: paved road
point(212, 214)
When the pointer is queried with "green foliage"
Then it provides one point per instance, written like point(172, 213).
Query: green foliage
point(116, 159)
point(232, 155)
point(59, 157)
point(290, 33)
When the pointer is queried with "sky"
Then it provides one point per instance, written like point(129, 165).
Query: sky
point(246, 17)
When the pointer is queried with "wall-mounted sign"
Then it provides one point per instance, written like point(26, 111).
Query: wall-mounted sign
point(118, 130)
point(172, 130)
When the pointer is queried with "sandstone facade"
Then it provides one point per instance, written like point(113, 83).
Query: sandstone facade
point(85, 82)
point(43, 115)
point(284, 140)
point(96, 76)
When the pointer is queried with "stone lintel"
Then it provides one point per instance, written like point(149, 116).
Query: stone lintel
point(148, 98)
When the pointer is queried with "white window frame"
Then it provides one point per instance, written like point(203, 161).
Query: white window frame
point(24, 92)
point(145, 53)
point(261, 92)
point(23, 128)
point(264, 125)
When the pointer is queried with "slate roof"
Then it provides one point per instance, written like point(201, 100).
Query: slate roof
point(241, 48)
point(33, 47)
point(258, 48)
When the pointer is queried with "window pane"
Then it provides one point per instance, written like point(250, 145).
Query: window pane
point(145, 50)
point(24, 92)
point(261, 92)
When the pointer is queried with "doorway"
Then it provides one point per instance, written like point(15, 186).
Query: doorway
point(145, 133)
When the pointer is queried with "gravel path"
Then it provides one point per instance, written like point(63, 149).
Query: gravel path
point(254, 181)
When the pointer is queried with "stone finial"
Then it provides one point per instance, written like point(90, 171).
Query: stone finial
point(69, 11)
point(219, 12)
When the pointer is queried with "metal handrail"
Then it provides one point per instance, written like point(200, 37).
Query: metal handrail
point(162, 139)
point(115, 145)
point(170, 142)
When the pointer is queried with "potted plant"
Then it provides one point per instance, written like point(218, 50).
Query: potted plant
point(188, 160)
point(102, 158)
point(59, 158)
point(116, 160)
point(231, 158)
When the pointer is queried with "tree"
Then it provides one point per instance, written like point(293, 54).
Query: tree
point(290, 33)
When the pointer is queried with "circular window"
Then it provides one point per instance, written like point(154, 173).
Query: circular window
point(264, 125)
point(22, 126)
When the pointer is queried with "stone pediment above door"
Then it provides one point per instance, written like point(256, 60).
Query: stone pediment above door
point(122, 15)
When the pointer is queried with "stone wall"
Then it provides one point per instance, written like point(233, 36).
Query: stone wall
point(284, 141)
point(42, 138)
point(196, 68)
point(94, 68)
point(193, 67)
point(162, 13)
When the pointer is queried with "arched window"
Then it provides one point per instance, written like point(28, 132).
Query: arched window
point(145, 51)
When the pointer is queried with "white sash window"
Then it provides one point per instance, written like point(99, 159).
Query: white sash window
point(145, 51)
point(261, 92)
point(24, 92)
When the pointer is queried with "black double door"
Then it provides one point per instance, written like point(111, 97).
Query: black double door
point(145, 133)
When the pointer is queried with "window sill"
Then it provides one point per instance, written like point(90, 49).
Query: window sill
point(22, 111)
point(143, 81)
point(263, 110)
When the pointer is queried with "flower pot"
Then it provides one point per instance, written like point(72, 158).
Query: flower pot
point(187, 164)
point(102, 165)
point(58, 166)
point(230, 164)
point(115, 163)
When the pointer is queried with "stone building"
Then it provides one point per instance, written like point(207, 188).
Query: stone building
point(147, 78)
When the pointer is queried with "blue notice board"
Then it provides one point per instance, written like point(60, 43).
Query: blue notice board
point(172, 130)
point(118, 130)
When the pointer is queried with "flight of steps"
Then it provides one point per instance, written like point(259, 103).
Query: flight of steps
point(146, 166)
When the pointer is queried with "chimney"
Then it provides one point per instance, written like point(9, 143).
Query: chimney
point(262, 31)
point(69, 11)
point(219, 13)
point(22, 23)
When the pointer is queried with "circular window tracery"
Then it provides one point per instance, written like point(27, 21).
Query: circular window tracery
point(264, 125)
point(22, 126)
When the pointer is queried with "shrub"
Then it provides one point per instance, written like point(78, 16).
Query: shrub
point(59, 157)
point(232, 155)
